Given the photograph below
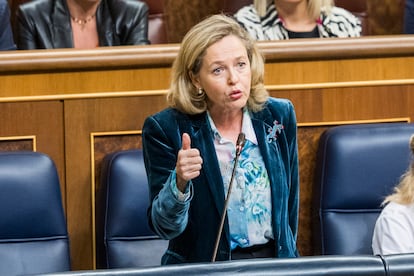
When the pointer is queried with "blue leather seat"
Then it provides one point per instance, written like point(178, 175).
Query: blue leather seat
point(356, 167)
point(359, 265)
point(124, 238)
point(33, 232)
point(399, 264)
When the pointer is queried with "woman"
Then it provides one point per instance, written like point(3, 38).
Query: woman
point(287, 19)
point(394, 229)
point(216, 93)
point(6, 34)
point(48, 24)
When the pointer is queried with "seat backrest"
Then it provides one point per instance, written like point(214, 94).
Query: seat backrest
point(33, 232)
point(356, 167)
point(399, 264)
point(157, 25)
point(360, 265)
point(124, 238)
point(359, 8)
point(232, 6)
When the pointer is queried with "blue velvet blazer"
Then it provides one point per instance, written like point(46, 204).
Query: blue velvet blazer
point(275, 128)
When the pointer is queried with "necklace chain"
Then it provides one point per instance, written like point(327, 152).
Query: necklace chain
point(82, 22)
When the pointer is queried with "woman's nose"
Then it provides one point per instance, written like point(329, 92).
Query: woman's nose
point(233, 76)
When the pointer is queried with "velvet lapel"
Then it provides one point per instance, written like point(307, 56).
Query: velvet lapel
point(262, 122)
point(202, 140)
point(62, 36)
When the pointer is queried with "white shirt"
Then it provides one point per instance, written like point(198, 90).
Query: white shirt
point(394, 230)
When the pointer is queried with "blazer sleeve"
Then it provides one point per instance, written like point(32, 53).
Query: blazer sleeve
point(293, 203)
point(25, 30)
point(132, 22)
point(167, 215)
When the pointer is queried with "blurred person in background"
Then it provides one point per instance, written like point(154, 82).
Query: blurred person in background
point(287, 19)
point(6, 34)
point(47, 24)
point(394, 229)
point(409, 17)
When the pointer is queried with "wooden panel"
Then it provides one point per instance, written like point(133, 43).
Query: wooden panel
point(105, 143)
point(83, 119)
point(386, 18)
point(308, 139)
point(61, 83)
point(35, 126)
point(183, 14)
point(351, 103)
point(18, 143)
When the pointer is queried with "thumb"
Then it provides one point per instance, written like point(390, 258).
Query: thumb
point(186, 141)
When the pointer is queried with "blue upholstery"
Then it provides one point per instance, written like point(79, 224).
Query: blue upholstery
point(33, 233)
point(356, 167)
point(124, 238)
point(361, 265)
point(399, 264)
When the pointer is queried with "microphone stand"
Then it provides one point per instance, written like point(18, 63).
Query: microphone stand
point(239, 146)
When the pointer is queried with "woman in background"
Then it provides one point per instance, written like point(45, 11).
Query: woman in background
point(394, 229)
point(47, 24)
point(287, 19)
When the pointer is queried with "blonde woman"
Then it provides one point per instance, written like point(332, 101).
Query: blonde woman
point(190, 148)
point(287, 19)
point(394, 229)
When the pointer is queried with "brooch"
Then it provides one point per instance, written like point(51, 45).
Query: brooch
point(274, 131)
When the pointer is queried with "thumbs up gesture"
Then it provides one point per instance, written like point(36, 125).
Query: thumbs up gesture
point(188, 164)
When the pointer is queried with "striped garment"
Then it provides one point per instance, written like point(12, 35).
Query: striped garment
point(338, 23)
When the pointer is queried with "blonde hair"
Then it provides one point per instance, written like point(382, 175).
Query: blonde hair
point(315, 7)
point(404, 191)
point(183, 95)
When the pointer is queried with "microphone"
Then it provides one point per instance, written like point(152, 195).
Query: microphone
point(241, 140)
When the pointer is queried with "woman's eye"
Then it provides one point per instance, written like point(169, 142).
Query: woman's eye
point(217, 71)
point(242, 64)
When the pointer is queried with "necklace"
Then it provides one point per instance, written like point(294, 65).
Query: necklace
point(82, 22)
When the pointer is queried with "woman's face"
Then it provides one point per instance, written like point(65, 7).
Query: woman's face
point(225, 75)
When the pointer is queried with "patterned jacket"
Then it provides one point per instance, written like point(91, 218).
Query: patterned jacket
point(338, 23)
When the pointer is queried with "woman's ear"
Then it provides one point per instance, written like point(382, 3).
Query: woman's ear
point(195, 80)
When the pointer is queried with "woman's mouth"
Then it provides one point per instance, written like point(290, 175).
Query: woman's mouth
point(236, 94)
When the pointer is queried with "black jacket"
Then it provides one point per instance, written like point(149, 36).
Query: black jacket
point(46, 24)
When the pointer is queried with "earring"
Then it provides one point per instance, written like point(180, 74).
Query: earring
point(200, 91)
